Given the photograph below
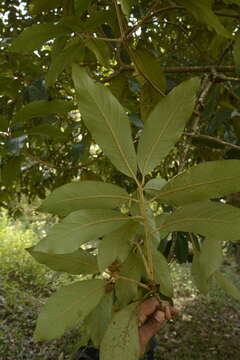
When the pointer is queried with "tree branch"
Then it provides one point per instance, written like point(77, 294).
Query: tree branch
point(213, 139)
point(56, 167)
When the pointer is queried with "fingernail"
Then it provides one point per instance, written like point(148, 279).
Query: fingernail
point(159, 316)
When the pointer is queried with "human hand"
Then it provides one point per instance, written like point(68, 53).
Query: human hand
point(151, 316)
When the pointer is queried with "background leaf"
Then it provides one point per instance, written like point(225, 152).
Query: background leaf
point(202, 10)
point(42, 108)
point(34, 36)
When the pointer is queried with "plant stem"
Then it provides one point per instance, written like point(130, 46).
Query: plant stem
point(144, 259)
point(147, 241)
point(120, 277)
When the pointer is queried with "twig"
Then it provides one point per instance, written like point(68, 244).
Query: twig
point(119, 18)
point(91, 37)
point(181, 69)
point(172, 247)
point(144, 259)
point(206, 87)
point(227, 15)
point(213, 139)
point(149, 15)
point(52, 166)
point(120, 277)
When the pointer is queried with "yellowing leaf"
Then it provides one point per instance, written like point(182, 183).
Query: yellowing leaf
point(67, 308)
point(84, 195)
point(106, 120)
point(210, 257)
point(121, 340)
point(212, 219)
point(116, 245)
point(77, 262)
point(80, 227)
point(99, 319)
point(211, 179)
point(162, 274)
point(227, 285)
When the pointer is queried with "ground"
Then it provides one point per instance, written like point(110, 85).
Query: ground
point(207, 327)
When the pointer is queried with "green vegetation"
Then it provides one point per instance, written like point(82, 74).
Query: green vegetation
point(207, 327)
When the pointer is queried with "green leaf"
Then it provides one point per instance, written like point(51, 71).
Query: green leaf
point(99, 319)
point(33, 37)
point(42, 108)
point(84, 195)
point(67, 308)
point(181, 248)
point(212, 219)
point(100, 50)
point(236, 51)
point(210, 257)
point(149, 68)
point(106, 120)
point(165, 124)
point(127, 291)
point(202, 11)
point(162, 274)
point(80, 227)
point(127, 6)
point(207, 180)
point(121, 340)
point(149, 98)
point(72, 51)
point(4, 123)
point(116, 245)
point(81, 6)
point(227, 285)
point(37, 6)
point(77, 262)
point(11, 170)
point(46, 130)
point(200, 280)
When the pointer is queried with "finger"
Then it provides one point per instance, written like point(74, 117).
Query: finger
point(159, 316)
point(168, 314)
point(147, 308)
point(174, 311)
point(150, 328)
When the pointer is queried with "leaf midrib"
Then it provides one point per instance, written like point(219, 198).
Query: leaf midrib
point(114, 138)
point(102, 221)
point(146, 161)
point(182, 188)
point(209, 219)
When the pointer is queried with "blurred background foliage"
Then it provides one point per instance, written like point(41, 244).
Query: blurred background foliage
point(44, 143)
